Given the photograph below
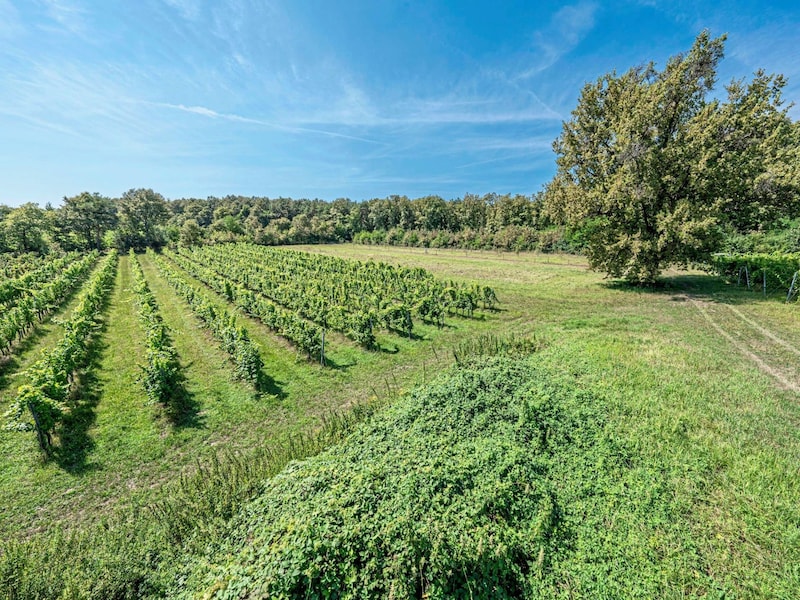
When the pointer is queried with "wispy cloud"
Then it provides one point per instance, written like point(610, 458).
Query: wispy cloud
point(566, 30)
point(69, 15)
point(188, 9)
point(207, 112)
point(476, 111)
point(43, 124)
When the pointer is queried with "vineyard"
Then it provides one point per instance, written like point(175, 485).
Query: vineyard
point(235, 420)
point(296, 295)
point(768, 272)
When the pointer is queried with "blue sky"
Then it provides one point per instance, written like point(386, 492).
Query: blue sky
point(324, 98)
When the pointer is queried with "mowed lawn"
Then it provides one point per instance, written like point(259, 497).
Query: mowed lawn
point(703, 375)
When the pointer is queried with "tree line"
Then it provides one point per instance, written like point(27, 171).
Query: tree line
point(144, 218)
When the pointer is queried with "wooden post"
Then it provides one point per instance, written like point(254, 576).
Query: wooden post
point(765, 281)
point(42, 435)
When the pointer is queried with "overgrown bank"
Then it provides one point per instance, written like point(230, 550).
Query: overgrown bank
point(499, 480)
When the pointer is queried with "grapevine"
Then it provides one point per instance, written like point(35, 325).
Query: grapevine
point(222, 324)
point(52, 377)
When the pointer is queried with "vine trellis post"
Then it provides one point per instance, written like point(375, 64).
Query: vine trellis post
point(792, 290)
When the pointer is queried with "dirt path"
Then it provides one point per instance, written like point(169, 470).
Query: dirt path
point(760, 345)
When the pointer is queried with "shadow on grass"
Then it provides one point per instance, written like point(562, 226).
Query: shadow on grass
point(75, 443)
point(405, 335)
point(266, 384)
point(706, 287)
point(182, 410)
point(331, 363)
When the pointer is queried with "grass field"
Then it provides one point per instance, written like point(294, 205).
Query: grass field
point(699, 377)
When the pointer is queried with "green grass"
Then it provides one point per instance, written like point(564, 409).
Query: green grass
point(724, 433)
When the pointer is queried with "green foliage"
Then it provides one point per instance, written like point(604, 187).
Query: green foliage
point(138, 554)
point(89, 216)
point(783, 237)
point(190, 234)
point(51, 377)
point(12, 288)
point(512, 238)
point(141, 213)
point(775, 271)
point(659, 170)
point(34, 295)
point(162, 373)
point(691, 420)
point(343, 295)
point(485, 484)
point(25, 229)
point(306, 336)
point(222, 324)
point(477, 348)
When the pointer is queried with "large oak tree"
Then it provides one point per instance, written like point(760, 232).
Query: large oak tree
point(654, 170)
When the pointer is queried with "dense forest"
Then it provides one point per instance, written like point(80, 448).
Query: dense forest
point(143, 217)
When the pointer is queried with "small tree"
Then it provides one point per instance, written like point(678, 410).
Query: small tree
point(650, 171)
point(25, 229)
point(191, 234)
point(141, 212)
point(89, 216)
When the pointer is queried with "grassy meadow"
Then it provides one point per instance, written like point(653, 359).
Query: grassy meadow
point(695, 385)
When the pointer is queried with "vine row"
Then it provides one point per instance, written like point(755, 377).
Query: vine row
point(28, 282)
point(769, 271)
point(306, 302)
point(52, 376)
point(305, 335)
point(222, 324)
point(16, 321)
point(161, 378)
point(12, 266)
point(345, 295)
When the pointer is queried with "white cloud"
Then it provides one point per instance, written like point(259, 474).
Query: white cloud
point(566, 30)
point(69, 15)
point(207, 112)
point(188, 9)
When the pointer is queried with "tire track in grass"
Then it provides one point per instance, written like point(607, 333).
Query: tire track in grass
point(777, 374)
point(764, 330)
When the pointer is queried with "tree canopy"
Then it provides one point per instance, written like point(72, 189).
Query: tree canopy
point(89, 216)
point(140, 212)
point(655, 171)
